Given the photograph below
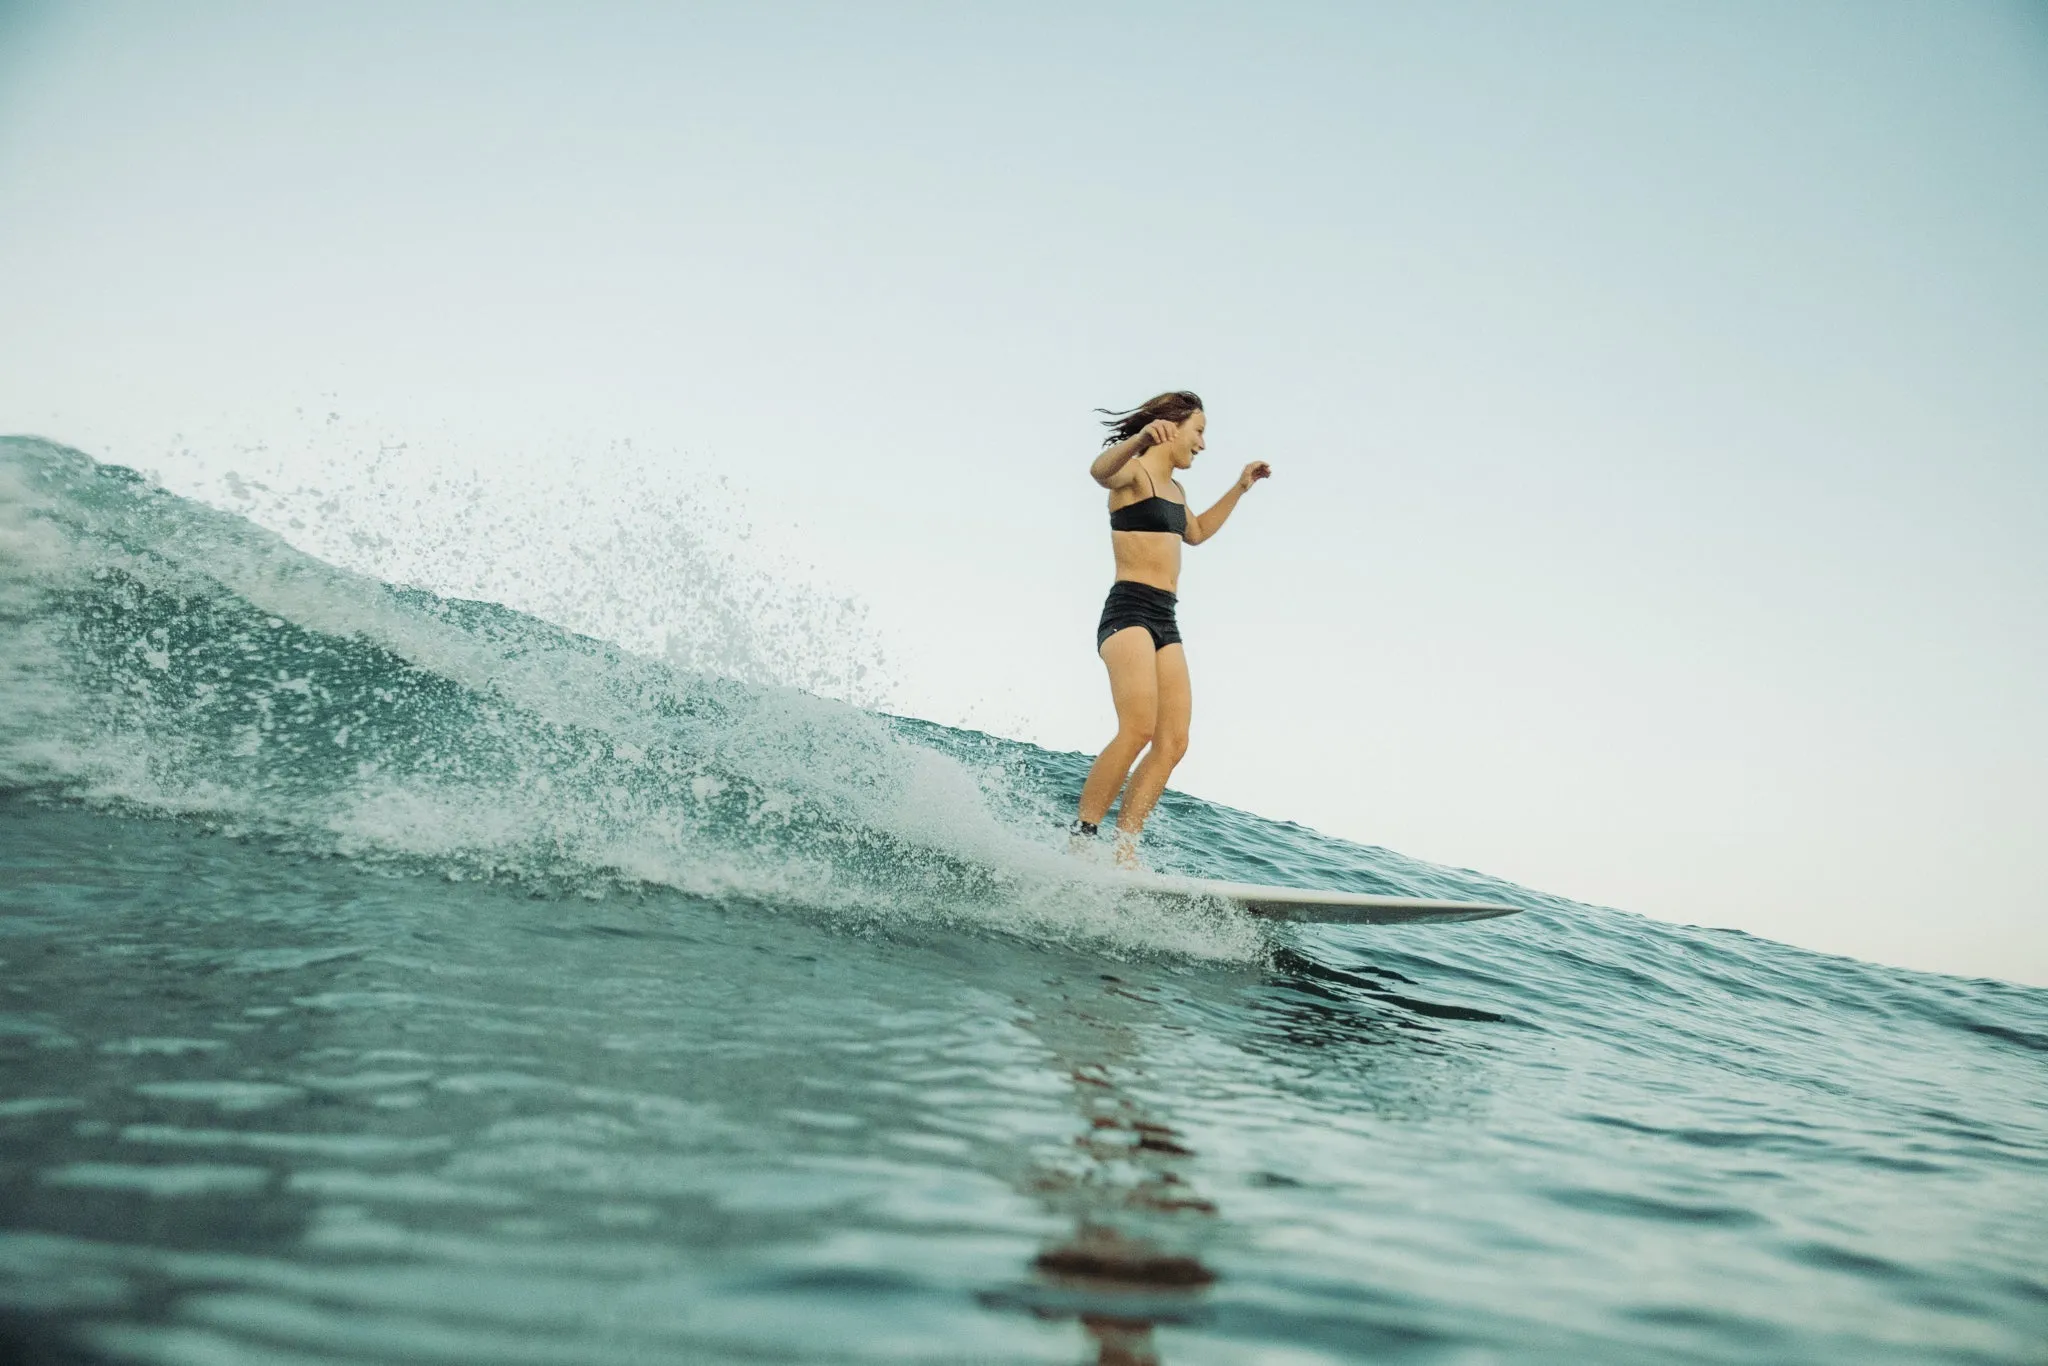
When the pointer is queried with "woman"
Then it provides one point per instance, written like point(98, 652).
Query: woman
point(1137, 638)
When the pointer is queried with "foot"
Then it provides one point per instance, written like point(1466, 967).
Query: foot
point(1127, 851)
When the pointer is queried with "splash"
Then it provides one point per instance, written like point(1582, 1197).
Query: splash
point(174, 658)
point(663, 563)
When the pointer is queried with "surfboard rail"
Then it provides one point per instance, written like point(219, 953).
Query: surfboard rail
point(1313, 906)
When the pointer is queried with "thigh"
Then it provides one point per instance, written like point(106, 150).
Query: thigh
point(1176, 703)
point(1133, 677)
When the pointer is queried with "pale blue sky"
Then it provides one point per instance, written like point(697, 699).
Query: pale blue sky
point(1658, 394)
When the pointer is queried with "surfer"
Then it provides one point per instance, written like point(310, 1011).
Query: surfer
point(1137, 637)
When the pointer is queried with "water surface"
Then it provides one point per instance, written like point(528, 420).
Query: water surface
point(392, 979)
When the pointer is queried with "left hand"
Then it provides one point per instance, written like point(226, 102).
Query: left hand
point(1253, 473)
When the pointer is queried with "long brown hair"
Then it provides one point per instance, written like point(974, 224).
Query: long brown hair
point(1175, 405)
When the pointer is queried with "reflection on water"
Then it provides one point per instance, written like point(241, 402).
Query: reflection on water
point(1132, 1260)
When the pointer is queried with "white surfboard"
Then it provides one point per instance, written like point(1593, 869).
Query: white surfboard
point(1319, 907)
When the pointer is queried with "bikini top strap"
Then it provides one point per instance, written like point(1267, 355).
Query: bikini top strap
point(1148, 482)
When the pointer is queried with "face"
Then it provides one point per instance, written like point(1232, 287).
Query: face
point(1189, 441)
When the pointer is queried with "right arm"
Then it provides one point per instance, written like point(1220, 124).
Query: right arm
point(1112, 467)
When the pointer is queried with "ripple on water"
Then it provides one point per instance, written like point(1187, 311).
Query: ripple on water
point(365, 1147)
point(230, 1096)
point(170, 1179)
point(400, 1188)
point(161, 1047)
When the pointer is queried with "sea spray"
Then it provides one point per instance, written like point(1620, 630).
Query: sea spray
point(194, 663)
point(656, 557)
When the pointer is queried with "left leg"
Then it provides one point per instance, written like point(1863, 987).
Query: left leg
point(1128, 654)
point(1169, 740)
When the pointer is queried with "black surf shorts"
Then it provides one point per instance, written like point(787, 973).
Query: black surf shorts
point(1139, 604)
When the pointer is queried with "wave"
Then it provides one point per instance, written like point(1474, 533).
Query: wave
point(171, 658)
point(160, 656)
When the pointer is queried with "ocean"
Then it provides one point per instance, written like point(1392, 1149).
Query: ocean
point(391, 978)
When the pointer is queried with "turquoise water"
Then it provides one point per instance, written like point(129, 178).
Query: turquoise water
point(392, 979)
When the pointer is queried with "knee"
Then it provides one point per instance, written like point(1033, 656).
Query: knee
point(1170, 745)
point(1136, 734)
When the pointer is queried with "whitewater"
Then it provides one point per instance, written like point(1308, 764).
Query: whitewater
point(392, 977)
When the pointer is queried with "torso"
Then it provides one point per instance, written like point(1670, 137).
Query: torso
point(1147, 557)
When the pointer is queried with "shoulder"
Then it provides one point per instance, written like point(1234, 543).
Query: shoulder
point(1125, 479)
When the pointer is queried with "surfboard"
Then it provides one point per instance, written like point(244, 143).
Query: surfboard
point(1314, 907)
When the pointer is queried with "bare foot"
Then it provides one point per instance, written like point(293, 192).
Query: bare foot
point(1127, 850)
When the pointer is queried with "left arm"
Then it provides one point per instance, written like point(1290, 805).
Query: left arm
point(1209, 523)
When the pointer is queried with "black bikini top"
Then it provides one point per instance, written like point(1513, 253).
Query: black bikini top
point(1151, 514)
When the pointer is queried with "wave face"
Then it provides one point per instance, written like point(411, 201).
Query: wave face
point(170, 658)
point(399, 978)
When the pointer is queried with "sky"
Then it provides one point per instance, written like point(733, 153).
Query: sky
point(1657, 395)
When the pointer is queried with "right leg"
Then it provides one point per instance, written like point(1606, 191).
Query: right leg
point(1169, 741)
point(1134, 687)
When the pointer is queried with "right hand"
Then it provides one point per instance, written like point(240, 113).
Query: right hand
point(1157, 433)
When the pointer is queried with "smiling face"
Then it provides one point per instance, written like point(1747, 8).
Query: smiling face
point(1188, 442)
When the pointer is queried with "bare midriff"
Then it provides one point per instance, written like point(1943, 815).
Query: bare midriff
point(1147, 557)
